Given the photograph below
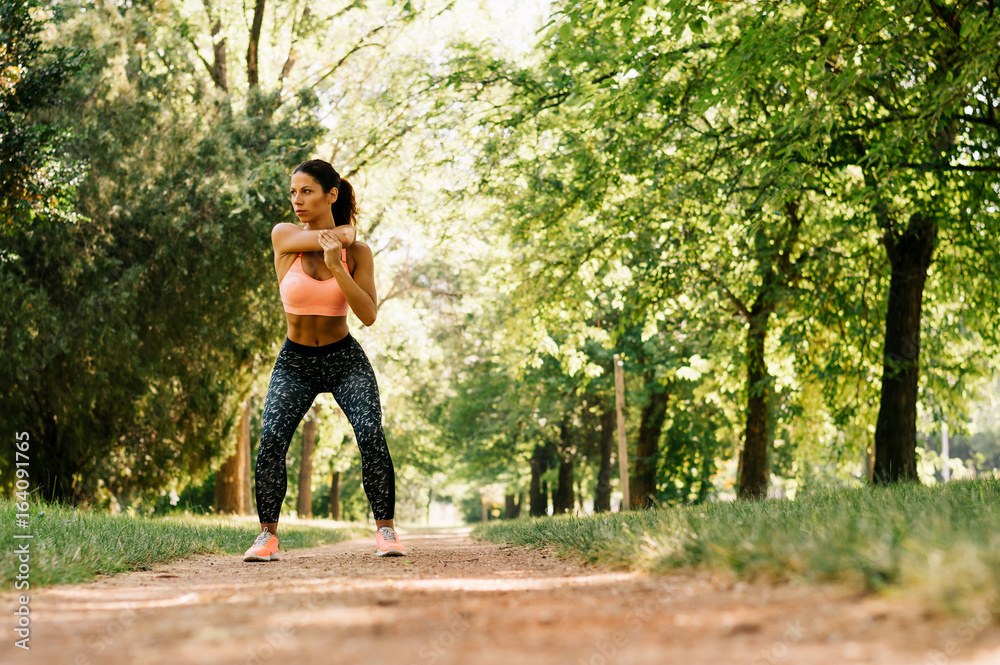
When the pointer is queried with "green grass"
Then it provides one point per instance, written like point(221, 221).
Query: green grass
point(72, 546)
point(942, 541)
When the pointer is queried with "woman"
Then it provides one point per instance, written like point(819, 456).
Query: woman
point(322, 271)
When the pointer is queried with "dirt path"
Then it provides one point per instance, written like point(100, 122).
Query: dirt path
point(453, 600)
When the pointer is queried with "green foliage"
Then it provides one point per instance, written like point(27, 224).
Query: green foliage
point(690, 449)
point(155, 313)
point(699, 170)
point(470, 506)
point(36, 177)
point(196, 498)
point(129, 335)
point(652, 180)
point(354, 505)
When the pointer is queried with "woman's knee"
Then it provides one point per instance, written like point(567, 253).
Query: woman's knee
point(375, 454)
point(369, 434)
point(272, 448)
point(270, 439)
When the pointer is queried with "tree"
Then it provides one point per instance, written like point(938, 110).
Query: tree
point(304, 504)
point(711, 139)
point(184, 181)
point(232, 481)
point(36, 179)
point(157, 266)
point(901, 96)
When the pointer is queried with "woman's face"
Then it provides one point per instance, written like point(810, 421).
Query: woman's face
point(309, 201)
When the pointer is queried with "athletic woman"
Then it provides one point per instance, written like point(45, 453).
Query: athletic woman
point(322, 271)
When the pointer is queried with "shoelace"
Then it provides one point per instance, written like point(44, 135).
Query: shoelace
point(388, 534)
point(262, 538)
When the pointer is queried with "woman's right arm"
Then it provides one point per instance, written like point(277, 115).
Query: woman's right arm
point(287, 238)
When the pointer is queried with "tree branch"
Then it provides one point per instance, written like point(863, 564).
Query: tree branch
point(965, 168)
point(794, 224)
point(357, 47)
point(258, 21)
point(729, 294)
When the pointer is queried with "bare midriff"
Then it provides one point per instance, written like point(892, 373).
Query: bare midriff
point(316, 330)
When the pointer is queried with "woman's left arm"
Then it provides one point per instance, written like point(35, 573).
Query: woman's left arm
point(359, 289)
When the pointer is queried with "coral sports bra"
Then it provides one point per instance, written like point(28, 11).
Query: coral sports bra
point(302, 294)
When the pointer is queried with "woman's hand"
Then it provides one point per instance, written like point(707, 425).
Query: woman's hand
point(332, 250)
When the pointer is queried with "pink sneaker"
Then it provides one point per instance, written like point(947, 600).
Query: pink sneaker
point(265, 548)
point(387, 544)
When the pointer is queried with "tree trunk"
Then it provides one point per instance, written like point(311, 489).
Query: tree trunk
point(228, 488)
point(231, 480)
point(753, 472)
point(335, 496)
point(55, 481)
point(778, 273)
point(286, 69)
point(642, 484)
point(258, 19)
point(602, 495)
point(304, 504)
point(248, 503)
point(563, 499)
point(430, 504)
point(218, 68)
point(539, 500)
point(562, 495)
point(705, 484)
point(512, 509)
point(896, 432)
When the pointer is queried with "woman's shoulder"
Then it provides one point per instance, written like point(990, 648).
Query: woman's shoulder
point(359, 250)
point(283, 229)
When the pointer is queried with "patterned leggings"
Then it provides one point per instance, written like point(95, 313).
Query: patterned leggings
point(300, 373)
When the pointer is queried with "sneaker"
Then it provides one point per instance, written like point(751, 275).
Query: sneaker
point(385, 541)
point(265, 548)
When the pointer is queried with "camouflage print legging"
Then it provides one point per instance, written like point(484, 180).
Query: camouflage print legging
point(300, 373)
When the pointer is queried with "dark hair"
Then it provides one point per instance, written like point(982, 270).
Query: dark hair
point(345, 208)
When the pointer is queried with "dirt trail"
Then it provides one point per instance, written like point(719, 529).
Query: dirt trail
point(454, 600)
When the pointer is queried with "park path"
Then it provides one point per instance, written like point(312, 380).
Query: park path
point(457, 601)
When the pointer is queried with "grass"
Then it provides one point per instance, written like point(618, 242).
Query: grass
point(71, 546)
point(942, 541)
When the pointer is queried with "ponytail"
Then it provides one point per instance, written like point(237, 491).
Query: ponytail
point(345, 208)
